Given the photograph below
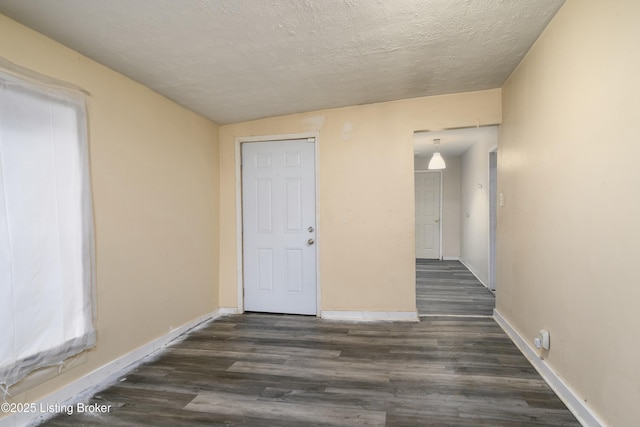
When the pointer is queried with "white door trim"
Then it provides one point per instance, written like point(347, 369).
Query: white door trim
point(493, 212)
point(239, 252)
point(441, 200)
point(441, 203)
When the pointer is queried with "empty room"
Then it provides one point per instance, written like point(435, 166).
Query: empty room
point(221, 213)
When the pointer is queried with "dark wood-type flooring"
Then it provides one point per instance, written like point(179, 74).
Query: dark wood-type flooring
point(449, 288)
point(286, 371)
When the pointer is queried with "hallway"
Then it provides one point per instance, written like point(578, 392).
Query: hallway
point(449, 288)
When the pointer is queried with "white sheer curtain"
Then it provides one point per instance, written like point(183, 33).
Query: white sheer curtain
point(46, 228)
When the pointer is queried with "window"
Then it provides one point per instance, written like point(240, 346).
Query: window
point(46, 228)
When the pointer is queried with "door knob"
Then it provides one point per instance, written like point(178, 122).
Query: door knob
point(310, 242)
point(437, 220)
point(310, 229)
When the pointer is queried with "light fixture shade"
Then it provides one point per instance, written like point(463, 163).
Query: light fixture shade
point(437, 162)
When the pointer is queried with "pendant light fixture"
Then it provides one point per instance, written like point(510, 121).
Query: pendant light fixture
point(437, 162)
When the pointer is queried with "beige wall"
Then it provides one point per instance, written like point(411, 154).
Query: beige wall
point(450, 204)
point(569, 235)
point(155, 189)
point(474, 185)
point(366, 210)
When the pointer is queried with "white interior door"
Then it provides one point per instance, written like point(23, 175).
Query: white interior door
point(279, 221)
point(427, 187)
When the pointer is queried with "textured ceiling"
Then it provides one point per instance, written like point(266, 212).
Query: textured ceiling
point(237, 60)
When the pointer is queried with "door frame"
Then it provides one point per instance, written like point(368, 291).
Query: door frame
point(239, 222)
point(493, 219)
point(440, 213)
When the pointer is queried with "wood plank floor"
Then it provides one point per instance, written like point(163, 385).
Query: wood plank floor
point(449, 288)
point(285, 371)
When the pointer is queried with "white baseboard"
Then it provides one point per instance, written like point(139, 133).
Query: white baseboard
point(228, 310)
point(396, 316)
point(450, 258)
point(464, 316)
point(484, 282)
point(570, 398)
point(78, 390)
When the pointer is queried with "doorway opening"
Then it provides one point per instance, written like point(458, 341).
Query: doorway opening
point(457, 282)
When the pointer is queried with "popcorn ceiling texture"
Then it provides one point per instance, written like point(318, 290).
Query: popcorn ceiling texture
point(237, 60)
